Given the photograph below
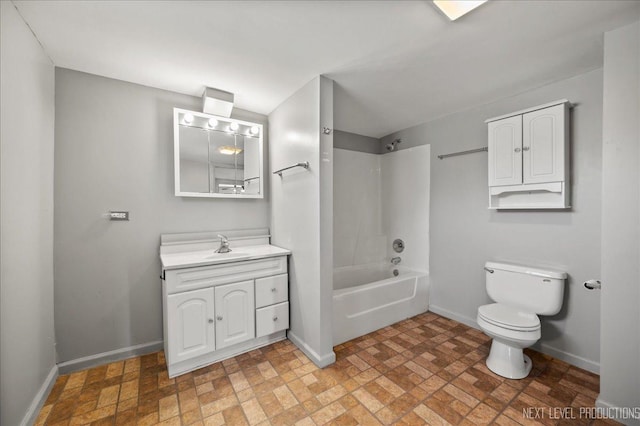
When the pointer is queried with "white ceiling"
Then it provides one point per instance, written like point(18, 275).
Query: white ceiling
point(395, 63)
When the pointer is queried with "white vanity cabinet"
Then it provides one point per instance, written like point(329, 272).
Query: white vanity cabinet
point(529, 158)
point(216, 306)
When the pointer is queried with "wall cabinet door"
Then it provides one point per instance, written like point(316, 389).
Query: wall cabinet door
point(235, 313)
point(191, 328)
point(505, 151)
point(543, 145)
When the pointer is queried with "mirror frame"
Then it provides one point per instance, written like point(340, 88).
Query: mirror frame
point(176, 154)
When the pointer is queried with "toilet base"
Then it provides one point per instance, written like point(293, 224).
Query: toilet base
point(508, 361)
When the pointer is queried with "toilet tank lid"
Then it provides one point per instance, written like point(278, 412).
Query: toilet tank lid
point(525, 269)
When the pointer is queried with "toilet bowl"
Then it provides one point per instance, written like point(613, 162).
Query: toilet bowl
point(521, 293)
point(512, 330)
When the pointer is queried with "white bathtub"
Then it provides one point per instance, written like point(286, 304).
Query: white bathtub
point(368, 297)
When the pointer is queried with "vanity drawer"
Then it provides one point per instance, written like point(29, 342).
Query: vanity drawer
point(179, 280)
point(272, 290)
point(272, 318)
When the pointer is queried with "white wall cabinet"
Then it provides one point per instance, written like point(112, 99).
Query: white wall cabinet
point(212, 312)
point(529, 158)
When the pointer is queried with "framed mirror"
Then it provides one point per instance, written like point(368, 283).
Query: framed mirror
point(217, 157)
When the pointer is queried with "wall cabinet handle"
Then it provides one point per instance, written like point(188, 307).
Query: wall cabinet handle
point(517, 150)
point(525, 148)
point(275, 318)
point(210, 320)
point(273, 290)
point(219, 317)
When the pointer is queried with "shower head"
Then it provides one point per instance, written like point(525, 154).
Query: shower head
point(393, 145)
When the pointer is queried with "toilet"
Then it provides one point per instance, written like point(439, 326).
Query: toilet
point(521, 294)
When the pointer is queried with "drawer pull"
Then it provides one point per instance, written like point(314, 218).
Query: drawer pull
point(273, 290)
point(275, 318)
point(219, 317)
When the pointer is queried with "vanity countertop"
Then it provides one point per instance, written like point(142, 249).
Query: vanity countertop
point(190, 259)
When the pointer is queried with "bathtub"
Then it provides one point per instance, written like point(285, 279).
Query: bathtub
point(369, 297)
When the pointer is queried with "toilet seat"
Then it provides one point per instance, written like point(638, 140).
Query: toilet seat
point(509, 318)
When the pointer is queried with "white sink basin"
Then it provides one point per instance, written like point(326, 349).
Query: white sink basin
point(210, 257)
point(230, 255)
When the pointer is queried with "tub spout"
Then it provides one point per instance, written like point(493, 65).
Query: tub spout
point(396, 260)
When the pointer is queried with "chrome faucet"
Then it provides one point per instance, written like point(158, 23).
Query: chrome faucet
point(396, 260)
point(224, 244)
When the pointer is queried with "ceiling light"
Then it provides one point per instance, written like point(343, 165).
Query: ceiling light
point(254, 130)
point(188, 118)
point(213, 122)
point(229, 150)
point(456, 8)
point(234, 126)
point(217, 102)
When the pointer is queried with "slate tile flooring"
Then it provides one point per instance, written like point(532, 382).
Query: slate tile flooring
point(424, 370)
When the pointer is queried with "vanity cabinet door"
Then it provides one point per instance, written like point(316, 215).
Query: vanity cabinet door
point(235, 313)
point(505, 151)
point(191, 328)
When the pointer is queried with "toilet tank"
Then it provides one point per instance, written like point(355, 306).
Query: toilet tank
point(535, 290)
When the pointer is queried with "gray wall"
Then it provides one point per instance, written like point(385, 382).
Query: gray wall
point(302, 213)
point(114, 151)
point(356, 142)
point(620, 350)
point(465, 234)
point(27, 355)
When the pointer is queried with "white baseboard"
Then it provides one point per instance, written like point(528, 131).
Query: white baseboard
point(320, 361)
point(612, 409)
point(38, 401)
point(107, 357)
point(575, 360)
point(453, 316)
point(570, 358)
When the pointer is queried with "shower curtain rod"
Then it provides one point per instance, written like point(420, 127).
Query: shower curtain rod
point(469, 151)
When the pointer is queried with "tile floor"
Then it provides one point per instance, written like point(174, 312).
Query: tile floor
point(424, 370)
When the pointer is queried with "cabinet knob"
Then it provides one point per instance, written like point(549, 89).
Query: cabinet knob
point(273, 290)
point(210, 320)
point(517, 150)
point(525, 148)
point(275, 318)
point(219, 317)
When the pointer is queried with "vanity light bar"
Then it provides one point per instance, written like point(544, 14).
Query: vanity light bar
point(247, 129)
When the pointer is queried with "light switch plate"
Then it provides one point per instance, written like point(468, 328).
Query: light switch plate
point(118, 215)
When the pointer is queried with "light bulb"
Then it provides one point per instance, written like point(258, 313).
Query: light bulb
point(213, 122)
point(234, 126)
point(188, 118)
point(254, 130)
